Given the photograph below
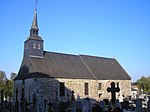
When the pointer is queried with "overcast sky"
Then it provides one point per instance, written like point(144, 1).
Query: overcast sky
point(104, 28)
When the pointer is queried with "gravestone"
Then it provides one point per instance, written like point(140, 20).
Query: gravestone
point(68, 102)
point(102, 105)
point(118, 106)
point(72, 96)
point(45, 103)
point(34, 100)
point(6, 98)
point(113, 91)
point(16, 102)
point(79, 106)
point(73, 106)
point(62, 106)
point(85, 106)
point(28, 106)
point(49, 105)
point(125, 105)
point(89, 105)
point(120, 97)
point(22, 100)
point(97, 108)
point(107, 104)
point(138, 107)
point(73, 103)
point(106, 101)
point(41, 104)
point(148, 105)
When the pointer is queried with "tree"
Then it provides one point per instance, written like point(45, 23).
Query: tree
point(9, 85)
point(144, 84)
point(8, 88)
point(6, 84)
point(2, 79)
point(13, 76)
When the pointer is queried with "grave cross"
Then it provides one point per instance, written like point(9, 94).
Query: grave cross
point(113, 91)
point(72, 95)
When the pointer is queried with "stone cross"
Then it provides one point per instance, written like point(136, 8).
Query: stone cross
point(113, 91)
point(72, 95)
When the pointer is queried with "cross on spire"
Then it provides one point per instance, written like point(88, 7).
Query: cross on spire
point(36, 3)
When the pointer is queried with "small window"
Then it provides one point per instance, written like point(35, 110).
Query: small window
point(62, 89)
point(86, 88)
point(23, 82)
point(39, 46)
point(34, 32)
point(34, 46)
point(26, 46)
point(99, 86)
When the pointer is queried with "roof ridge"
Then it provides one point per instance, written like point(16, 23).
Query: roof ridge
point(97, 56)
point(61, 53)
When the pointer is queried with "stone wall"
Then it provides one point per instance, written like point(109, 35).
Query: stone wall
point(49, 88)
point(45, 88)
point(78, 86)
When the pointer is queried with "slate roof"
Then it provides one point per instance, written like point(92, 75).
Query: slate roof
point(59, 65)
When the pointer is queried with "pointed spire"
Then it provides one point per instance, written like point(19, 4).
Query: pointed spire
point(34, 28)
point(35, 23)
point(34, 31)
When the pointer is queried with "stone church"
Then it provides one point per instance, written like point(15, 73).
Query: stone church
point(60, 77)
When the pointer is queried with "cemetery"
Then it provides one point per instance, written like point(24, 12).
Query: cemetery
point(76, 105)
point(59, 82)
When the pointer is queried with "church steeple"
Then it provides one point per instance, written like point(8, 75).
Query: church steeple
point(34, 28)
point(33, 46)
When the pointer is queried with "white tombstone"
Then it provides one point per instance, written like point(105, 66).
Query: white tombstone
point(120, 97)
point(138, 103)
point(148, 105)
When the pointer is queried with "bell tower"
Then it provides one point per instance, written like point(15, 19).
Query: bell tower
point(33, 46)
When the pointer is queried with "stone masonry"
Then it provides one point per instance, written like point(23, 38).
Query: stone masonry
point(46, 88)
